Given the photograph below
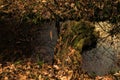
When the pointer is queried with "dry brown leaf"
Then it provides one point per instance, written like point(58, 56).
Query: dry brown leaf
point(98, 78)
point(56, 67)
point(1, 70)
point(6, 78)
point(107, 78)
point(40, 77)
point(51, 35)
point(63, 78)
point(104, 78)
point(44, 72)
point(27, 72)
point(117, 74)
point(44, 1)
point(72, 51)
point(70, 73)
point(22, 77)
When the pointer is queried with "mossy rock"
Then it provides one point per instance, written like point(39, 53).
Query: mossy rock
point(79, 34)
point(75, 37)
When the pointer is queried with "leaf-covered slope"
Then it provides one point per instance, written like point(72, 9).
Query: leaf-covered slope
point(36, 10)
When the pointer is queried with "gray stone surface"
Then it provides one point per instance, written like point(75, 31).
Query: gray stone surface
point(100, 60)
point(105, 57)
point(45, 40)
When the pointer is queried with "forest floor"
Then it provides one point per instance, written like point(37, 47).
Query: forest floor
point(27, 70)
point(32, 71)
point(67, 66)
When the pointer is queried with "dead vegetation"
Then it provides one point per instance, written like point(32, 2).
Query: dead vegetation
point(67, 63)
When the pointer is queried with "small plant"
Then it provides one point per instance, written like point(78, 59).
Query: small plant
point(40, 63)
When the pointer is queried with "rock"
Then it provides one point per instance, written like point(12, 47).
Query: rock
point(99, 61)
point(104, 58)
point(45, 39)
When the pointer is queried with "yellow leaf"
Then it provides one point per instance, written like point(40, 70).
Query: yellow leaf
point(56, 67)
point(51, 35)
point(70, 73)
point(40, 77)
point(22, 77)
point(6, 78)
point(44, 1)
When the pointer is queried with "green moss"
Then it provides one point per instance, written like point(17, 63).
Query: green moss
point(78, 34)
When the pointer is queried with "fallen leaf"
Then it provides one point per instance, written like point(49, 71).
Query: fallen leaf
point(70, 73)
point(56, 67)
